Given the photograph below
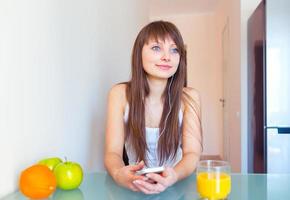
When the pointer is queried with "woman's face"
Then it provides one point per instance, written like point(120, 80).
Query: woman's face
point(160, 58)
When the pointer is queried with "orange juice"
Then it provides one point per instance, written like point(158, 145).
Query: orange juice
point(213, 185)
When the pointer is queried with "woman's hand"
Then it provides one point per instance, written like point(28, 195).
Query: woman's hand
point(125, 176)
point(158, 183)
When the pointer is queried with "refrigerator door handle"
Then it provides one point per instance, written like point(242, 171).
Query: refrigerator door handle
point(281, 130)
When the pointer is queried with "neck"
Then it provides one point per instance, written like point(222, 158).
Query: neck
point(157, 87)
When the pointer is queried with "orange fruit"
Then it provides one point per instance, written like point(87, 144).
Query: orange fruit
point(37, 182)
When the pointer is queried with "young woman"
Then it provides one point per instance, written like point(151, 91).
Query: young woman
point(154, 118)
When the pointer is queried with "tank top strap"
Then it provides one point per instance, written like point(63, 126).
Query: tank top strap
point(180, 116)
point(126, 113)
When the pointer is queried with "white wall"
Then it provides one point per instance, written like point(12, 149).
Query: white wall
point(58, 60)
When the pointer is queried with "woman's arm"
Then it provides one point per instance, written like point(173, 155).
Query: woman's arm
point(113, 159)
point(191, 134)
point(114, 130)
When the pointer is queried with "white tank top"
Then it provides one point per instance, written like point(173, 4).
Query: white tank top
point(151, 140)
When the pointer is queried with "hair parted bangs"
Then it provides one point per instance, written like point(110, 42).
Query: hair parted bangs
point(160, 31)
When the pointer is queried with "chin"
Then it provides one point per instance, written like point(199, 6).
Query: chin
point(161, 76)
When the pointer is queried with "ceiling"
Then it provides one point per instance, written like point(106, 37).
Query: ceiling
point(177, 7)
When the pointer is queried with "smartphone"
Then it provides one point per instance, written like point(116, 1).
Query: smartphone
point(150, 170)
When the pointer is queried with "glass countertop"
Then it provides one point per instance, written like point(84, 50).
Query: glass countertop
point(100, 185)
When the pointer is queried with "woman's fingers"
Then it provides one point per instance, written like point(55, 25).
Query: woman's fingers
point(149, 188)
point(160, 187)
point(153, 183)
point(157, 178)
point(139, 177)
point(137, 167)
point(133, 188)
point(144, 187)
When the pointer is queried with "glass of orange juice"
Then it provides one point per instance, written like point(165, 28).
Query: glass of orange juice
point(213, 179)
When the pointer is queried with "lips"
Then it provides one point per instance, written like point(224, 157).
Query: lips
point(164, 67)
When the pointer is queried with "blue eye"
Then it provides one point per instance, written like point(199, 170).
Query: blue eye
point(155, 48)
point(174, 50)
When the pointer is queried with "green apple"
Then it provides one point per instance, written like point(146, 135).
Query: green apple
point(69, 175)
point(51, 163)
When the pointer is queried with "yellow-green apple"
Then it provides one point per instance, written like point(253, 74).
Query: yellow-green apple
point(51, 163)
point(69, 175)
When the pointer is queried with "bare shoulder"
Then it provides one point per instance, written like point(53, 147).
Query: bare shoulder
point(190, 96)
point(118, 93)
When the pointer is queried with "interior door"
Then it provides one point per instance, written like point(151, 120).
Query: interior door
point(223, 99)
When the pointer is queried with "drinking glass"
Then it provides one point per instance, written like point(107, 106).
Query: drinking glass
point(213, 179)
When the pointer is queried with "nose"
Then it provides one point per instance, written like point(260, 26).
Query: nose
point(166, 56)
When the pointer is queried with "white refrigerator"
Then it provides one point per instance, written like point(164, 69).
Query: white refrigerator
point(269, 88)
point(277, 104)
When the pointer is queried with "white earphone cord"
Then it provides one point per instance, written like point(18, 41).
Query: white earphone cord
point(170, 107)
point(165, 121)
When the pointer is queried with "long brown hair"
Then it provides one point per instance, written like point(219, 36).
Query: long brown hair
point(138, 89)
